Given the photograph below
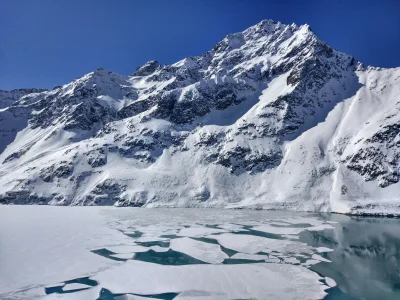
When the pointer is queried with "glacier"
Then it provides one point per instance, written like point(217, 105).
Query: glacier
point(269, 118)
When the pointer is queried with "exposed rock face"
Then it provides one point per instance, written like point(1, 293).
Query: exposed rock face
point(148, 68)
point(379, 155)
point(270, 117)
point(7, 98)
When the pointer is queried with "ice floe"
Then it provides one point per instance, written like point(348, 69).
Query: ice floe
point(278, 230)
point(75, 286)
point(329, 281)
point(210, 253)
point(311, 262)
point(135, 297)
point(323, 249)
point(232, 227)
point(123, 255)
point(273, 259)
point(254, 244)
point(291, 260)
point(274, 281)
point(302, 220)
point(246, 256)
point(199, 231)
point(201, 295)
point(320, 227)
point(87, 294)
point(319, 257)
point(128, 249)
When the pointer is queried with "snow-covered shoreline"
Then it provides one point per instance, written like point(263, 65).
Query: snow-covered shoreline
point(360, 212)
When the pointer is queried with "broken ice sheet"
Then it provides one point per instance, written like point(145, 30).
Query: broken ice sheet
point(87, 294)
point(311, 262)
point(329, 281)
point(274, 281)
point(199, 231)
point(123, 255)
point(150, 238)
point(127, 249)
point(232, 227)
point(290, 236)
point(302, 220)
point(319, 257)
point(135, 249)
point(253, 244)
point(210, 253)
point(278, 230)
point(201, 295)
point(134, 297)
point(320, 227)
point(291, 260)
point(246, 256)
point(75, 286)
point(323, 249)
point(273, 259)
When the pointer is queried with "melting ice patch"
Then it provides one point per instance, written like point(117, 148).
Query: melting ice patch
point(254, 244)
point(329, 281)
point(199, 231)
point(175, 259)
point(206, 252)
point(75, 286)
point(123, 255)
point(278, 230)
point(324, 249)
point(135, 248)
point(230, 280)
point(245, 256)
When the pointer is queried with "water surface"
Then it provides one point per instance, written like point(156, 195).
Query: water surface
point(103, 253)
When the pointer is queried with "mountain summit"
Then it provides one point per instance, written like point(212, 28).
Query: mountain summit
point(271, 117)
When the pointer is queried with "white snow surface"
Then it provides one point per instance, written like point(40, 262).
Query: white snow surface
point(271, 117)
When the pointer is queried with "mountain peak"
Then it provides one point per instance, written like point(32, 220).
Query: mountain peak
point(7, 98)
point(265, 27)
point(147, 69)
point(271, 106)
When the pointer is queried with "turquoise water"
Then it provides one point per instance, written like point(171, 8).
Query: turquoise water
point(366, 257)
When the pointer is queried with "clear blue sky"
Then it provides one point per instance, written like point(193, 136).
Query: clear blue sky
point(45, 43)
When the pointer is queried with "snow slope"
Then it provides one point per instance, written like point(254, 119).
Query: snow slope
point(271, 117)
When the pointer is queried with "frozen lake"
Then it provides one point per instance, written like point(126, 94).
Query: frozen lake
point(131, 253)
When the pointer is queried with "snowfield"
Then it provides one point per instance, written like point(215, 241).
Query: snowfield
point(271, 117)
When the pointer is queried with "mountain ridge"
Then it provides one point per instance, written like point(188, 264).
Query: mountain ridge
point(267, 118)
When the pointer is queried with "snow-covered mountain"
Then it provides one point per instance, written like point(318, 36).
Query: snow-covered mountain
point(271, 117)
